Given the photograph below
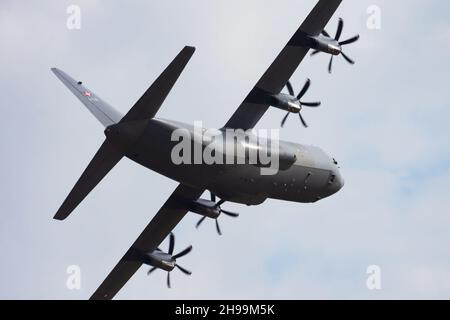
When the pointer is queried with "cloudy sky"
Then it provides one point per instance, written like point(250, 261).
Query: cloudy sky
point(385, 119)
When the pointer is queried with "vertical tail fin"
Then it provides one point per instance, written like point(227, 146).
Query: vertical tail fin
point(104, 113)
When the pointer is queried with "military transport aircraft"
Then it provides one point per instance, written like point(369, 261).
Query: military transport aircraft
point(307, 174)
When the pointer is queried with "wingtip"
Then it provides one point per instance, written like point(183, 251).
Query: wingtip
point(61, 214)
point(59, 217)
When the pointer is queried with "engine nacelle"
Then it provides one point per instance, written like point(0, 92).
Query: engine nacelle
point(325, 44)
point(285, 102)
point(206, 208)
point(156, 259)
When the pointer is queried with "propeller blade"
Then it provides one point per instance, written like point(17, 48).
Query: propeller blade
point(348, 41)
point(314, 52)
point(218, 228)
point(200, 222)
point(171, 243)
point(304, 89)
point(302, 120)
point(330, 64)
point(182, 253)
point(311, 104)
point(339, 29)
point(290, 89)
point(347, 58)
point(221, 202)
point(284, 119)
point(183, 270)
point(213, 197)
point(230, 214)
point(151, 270)
point(326, 34)
point(168, 279)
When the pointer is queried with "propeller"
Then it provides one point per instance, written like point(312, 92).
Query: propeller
point(225, 212)
point(341, 43)
point(176, 256)
point(298, 100)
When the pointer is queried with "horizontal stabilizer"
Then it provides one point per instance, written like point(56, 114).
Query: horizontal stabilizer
point(149, 104)
point(104, 113)
point(104, 160)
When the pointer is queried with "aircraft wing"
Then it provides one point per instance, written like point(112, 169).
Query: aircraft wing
point(280, 71)
point(156, 231)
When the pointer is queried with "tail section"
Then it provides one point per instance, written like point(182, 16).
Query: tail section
point(104, 113)
point(120, 132)
point(104, 160)
point(148, 105)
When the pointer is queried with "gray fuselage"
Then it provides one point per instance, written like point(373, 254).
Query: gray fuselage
point(312, 176)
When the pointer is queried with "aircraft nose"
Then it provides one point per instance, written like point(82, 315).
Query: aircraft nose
point(336, 182)
point(339, 181)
